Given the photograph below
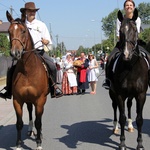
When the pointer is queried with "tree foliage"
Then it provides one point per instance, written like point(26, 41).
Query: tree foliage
point(109, 23)
point(144, 12)
point(4, 45)
point(145, 36)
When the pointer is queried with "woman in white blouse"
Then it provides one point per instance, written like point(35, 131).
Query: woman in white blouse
point(69, 82)
point(129, 7)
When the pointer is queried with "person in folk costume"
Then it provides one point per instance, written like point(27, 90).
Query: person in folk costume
point(82, 75)
point(92, 78)
point(129, 7)
point(69, 82)
point(41, 37)
point(59, 70)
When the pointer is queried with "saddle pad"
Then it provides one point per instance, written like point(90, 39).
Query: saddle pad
point(115, 63)
point(144, 56)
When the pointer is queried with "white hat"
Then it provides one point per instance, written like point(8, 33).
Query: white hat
point(68, 54)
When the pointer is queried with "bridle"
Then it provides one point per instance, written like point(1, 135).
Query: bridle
point(17, 39)
point(14, 39)
point(128, 40)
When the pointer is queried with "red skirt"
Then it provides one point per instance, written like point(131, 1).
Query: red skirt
point(66, 89)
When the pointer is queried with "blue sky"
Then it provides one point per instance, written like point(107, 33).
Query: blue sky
point(71, 20)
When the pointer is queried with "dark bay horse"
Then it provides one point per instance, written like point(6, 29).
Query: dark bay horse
point(30, 80)
point(130, 78)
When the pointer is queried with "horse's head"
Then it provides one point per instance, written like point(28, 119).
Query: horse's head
point(128, 35)
point(18, 34)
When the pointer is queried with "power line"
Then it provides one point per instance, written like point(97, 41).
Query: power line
point(4, 5)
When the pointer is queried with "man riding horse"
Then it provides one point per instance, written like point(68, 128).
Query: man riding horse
point(40, 36)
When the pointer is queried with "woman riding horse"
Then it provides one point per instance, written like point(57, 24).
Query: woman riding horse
point(129, 7)
point(130, 77)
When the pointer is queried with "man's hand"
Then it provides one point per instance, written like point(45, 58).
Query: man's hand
point(44, 41)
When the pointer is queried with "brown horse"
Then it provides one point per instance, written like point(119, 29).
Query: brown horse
point(30, 80)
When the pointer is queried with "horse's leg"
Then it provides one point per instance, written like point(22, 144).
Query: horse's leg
point(139, 119)
point(129, 105)
point(38, 124)
point(30, 127)
point(114, 106)
point(19, 123)
point(115, 122)
point(122, 121)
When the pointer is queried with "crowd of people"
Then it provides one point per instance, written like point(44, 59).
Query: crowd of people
point(77, 74)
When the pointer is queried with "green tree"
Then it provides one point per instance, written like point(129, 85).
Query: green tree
point(144, 12)
point(60, 49)
point(109, 23)
point(4, 45)
point(145, 36)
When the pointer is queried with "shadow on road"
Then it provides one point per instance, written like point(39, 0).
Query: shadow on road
point(146, 127)
point(96, 132)
point(8, 137)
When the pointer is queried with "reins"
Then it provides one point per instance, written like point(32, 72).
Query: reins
point(32, 50)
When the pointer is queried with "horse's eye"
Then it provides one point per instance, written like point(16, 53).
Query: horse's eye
point(23, 31)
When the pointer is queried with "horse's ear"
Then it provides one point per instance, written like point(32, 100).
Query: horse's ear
point(9, 17)
point(135, 14)
point(23, 16)
point(120, 16)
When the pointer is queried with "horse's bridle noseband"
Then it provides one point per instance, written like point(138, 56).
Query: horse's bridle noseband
point(19, 41)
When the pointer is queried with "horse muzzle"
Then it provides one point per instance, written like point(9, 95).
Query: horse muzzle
point(16, 54)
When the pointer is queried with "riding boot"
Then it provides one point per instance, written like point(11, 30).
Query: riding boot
point(109, 67)
point(54, 89)
point(8, 87)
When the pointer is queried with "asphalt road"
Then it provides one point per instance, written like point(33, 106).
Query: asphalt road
point(81, 122)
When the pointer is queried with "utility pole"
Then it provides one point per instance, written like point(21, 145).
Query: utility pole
point(11, 10)
point(57, 39)
point(50, 30)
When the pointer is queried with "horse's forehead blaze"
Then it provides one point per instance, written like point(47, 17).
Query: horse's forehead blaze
point(15, 26)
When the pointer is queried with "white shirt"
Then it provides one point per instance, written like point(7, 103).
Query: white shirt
point(118, 24)
point(38, 30)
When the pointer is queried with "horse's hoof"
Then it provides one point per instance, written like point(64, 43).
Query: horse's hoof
point(39, 148)
point(122, 147)
point(140, 148)
point(115, 131)
point(18, 148)
point(130, 130)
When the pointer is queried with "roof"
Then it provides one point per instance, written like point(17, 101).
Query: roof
point(4, 27)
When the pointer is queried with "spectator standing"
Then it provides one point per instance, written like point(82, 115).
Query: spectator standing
point(59, 67)
point(91, 73)
point(82, 78)
point(69, 82)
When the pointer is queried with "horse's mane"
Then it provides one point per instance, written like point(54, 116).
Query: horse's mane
point(19, 21)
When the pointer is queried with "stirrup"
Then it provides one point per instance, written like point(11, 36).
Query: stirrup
point(106, 84)
point(5, 96)
point(57, 91)
point(3, 88)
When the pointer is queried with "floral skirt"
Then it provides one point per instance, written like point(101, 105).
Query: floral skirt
point(66, 89)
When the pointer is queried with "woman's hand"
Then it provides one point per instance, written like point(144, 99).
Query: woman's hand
point(90, 67)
